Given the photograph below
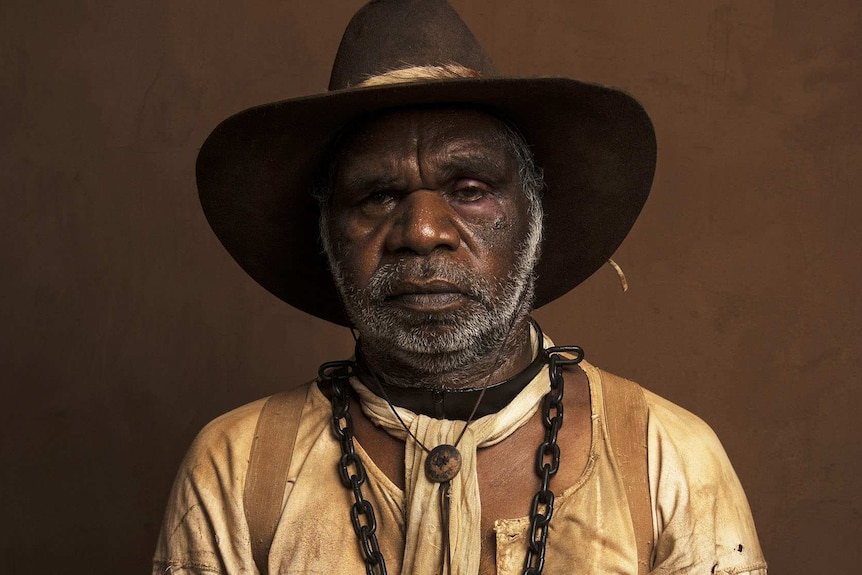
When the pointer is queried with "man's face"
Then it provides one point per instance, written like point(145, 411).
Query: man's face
point(430, 236)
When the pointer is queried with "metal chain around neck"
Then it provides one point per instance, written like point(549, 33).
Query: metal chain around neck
point(548, 457)
point(350, 467)
point(335, 375)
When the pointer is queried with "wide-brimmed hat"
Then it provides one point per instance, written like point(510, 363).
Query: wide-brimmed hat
point(256, 170)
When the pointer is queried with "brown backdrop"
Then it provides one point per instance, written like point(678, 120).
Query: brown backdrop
point(125, 325)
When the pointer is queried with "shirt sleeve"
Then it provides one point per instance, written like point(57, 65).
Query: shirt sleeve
point(701, 517)
point(204, 530)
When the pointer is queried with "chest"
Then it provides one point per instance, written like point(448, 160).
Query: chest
point(506, 473)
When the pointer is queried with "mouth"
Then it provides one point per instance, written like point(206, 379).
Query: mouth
point(427, 297)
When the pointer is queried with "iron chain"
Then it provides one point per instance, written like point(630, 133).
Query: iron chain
point(548, 457)
point(335, 374)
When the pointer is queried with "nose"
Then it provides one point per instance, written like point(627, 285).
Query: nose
point(424, 221)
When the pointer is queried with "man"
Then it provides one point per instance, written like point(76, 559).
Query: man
point(447, 202)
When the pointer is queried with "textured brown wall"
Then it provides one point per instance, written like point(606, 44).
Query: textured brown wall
point(125, 326)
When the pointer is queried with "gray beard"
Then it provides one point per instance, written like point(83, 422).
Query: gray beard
point(426, 345)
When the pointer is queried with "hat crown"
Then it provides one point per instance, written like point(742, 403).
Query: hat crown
point(387, 35)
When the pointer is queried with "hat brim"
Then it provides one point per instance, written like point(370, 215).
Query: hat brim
point(595, 144)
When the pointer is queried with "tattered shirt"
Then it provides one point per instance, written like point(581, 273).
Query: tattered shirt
point(702, 523)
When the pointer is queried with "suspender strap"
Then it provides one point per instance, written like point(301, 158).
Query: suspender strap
point(278, 424)
point(268, 467)
point(626, 412)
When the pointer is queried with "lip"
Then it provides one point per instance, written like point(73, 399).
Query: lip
point(436, 295)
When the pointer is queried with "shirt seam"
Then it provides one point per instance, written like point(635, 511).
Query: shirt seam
point(595, 428)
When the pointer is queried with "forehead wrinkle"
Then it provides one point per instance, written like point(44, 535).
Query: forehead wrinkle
point(377, 167)
point(471, 159)
point(458, 140)
point(383, 160)
point(418, 149)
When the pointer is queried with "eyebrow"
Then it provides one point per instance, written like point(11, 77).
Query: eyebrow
point(460, 160)
point(362, 183)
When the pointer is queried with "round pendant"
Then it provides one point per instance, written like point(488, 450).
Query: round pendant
point(443, 463)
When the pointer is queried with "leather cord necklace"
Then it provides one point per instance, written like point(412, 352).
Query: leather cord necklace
point(443, 462)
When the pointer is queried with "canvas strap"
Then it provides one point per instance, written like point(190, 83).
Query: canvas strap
point(268, 468)
point(626, 413)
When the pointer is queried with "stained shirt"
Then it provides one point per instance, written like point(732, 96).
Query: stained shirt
point(701, 519)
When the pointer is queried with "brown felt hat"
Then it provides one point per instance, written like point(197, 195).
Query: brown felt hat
point(256, 170)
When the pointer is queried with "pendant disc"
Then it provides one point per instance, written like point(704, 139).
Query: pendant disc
point(443, 463)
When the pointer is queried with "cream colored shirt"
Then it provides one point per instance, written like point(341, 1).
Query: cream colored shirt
point(701, 519)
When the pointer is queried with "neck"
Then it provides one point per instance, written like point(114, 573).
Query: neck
point(508, 359)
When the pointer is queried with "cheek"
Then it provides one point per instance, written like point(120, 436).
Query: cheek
point(505, 232)
point(498, 243)
point(356, 248)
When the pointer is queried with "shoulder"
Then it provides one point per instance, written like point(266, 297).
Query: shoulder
point(670, 428)
point(234, 431)
point(697, 495)
point(216, 464)
point(205, 502)
point(221, 449)
point(204, 526)
point(687, 459)
point(701, 515)
point(228, 433)
point(681, 446)
point(676, 426)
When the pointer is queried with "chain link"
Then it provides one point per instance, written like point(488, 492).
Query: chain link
point(334, 375)
point(548, 457)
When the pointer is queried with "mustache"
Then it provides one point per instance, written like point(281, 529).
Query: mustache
point(385, 281)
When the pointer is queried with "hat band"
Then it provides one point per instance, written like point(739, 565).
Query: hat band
point(419, 73)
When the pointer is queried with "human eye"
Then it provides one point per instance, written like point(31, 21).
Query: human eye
point(469, 190)
point(377, 201)
point(379, 197)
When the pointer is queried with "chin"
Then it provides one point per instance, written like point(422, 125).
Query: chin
point(433, 363)
point(435, 343)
